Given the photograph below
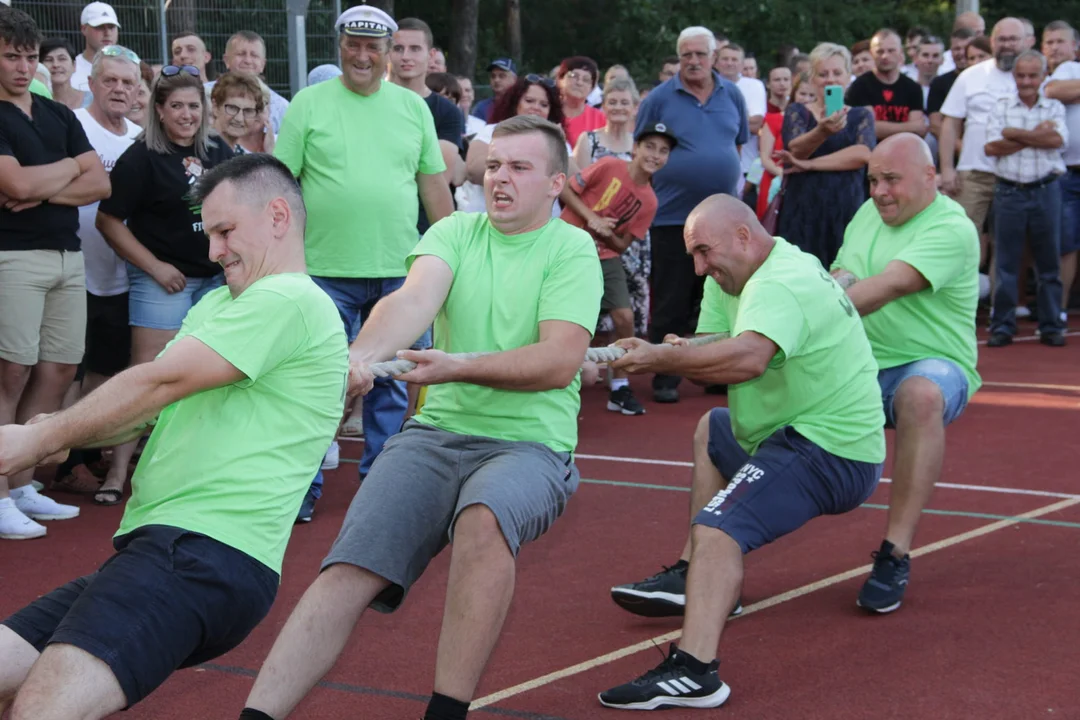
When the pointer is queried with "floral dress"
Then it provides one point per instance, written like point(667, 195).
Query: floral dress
point(637, 260)
point(818, 206)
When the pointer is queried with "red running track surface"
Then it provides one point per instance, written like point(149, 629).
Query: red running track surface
point(985, 631)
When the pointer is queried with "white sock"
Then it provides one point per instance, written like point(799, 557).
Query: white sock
point(618, 383)
point(19, 492)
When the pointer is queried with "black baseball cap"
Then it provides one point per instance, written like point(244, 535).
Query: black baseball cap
point(656, 129)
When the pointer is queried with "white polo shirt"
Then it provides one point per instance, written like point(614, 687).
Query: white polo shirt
point(1070, 71)
point(972, 98)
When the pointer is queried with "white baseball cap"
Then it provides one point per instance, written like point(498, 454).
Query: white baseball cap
point(97, 14)
point(366, 21)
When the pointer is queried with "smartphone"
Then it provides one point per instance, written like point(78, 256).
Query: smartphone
point(834, 99)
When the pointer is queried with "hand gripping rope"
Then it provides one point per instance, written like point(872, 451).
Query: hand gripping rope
point(393, 368)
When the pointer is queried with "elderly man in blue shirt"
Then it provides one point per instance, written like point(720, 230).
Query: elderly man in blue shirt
point(708, 115)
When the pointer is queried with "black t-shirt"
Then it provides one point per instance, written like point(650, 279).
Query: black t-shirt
point(150, 191)
point(939, 90)
point(449, 126)
point(52, 134)
point(891, 103)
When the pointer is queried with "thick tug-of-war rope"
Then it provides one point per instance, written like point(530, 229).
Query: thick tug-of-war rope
point(393, 368)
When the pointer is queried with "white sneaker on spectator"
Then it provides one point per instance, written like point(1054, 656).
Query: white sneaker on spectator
point(35, 505)
point(14, 525)
point(333, 457)
point(39, 485)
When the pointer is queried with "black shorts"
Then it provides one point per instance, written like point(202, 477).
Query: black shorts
point(167, 599)
point(108, 335)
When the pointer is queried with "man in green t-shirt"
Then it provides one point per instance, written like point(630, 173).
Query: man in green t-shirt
point(910, 259)
point(487, 463)
point(243, 404)
point(362, 149)
point(802, 436)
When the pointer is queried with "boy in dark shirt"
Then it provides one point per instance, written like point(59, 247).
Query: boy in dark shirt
point(614, 201)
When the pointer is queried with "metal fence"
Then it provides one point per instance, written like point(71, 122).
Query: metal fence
point(148, 27)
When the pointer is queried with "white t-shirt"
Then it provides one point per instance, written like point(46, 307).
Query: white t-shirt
point(80, 79)
point(106, 272)
point(470, 196)
point(753, 92)
point(972, 97)
point(1070, 71)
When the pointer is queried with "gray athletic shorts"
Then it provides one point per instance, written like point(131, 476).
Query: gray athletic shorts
point(404, 513)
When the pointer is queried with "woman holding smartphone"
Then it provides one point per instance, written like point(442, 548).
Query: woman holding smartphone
point(827, 146)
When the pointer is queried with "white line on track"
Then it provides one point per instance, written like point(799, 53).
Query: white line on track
point(759, 606)
point(1033, 386)
point(950, 486)
point(1032, 338)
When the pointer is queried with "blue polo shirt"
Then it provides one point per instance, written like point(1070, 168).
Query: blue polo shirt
point(705, 162)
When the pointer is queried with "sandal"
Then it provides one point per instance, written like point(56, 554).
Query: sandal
point(79, 481)
point(114, 496)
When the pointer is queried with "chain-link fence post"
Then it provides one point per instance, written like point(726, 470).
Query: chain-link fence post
point(163, 33)
point(297, 12)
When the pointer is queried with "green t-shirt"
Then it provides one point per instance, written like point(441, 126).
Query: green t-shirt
point(233, 462)
point(938, 322)
point(823, 381)
point(504, 287)
point(36, 86)
point(357, 158)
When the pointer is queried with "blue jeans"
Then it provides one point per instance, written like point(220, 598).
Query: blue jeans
point(1070, 212)
point(385, 405)
point(946, 374)
point(1020, 213)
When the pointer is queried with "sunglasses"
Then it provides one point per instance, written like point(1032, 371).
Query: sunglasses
point(120, 51)
point(171, 70)
point(539, 80)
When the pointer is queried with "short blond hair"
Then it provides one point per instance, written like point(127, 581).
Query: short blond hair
point(827, 50)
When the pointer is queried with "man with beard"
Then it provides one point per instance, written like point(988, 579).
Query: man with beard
point(968, 105)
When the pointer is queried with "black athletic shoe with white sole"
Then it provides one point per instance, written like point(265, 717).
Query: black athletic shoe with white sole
point(671, 684)
point(662, 595)
point(883, 591)
point(623, 401)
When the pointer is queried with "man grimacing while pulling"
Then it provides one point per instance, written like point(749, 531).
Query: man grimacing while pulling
point(487, 463)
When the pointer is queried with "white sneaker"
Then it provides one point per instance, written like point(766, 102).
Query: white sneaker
point(35, 505)
point(14, 525)
point(333, 457)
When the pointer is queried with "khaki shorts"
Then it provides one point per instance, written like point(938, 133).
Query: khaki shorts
point(976, 193)
point(42, 307)
point(616, 290)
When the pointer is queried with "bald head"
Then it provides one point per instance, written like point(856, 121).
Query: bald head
point(723, 211)
point(972, 21)
point(907, 147)
point(727, 242)
point(902, 178)
point(1008, 40)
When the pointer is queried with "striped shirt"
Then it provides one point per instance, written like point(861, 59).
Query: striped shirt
point(1029, 164)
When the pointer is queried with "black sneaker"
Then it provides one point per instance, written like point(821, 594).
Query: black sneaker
point(307, 508)
point(670, 685)
point(999, 340)
point(665, 395)
point(623, 400)
point(1053, 339)
point(662, 595)
point(884, 590)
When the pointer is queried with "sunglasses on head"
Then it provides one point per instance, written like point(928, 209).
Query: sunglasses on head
point(171, 70)
point(535, 79)
point(120, 51)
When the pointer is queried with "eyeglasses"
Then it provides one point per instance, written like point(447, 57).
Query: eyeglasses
point(231, 110)
point(120, 51)
point(535, 79)
point(171, 70)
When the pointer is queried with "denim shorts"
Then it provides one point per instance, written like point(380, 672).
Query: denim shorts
point(152, 306)
point(785, 484)
point(946, 374)
point(167, 599)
